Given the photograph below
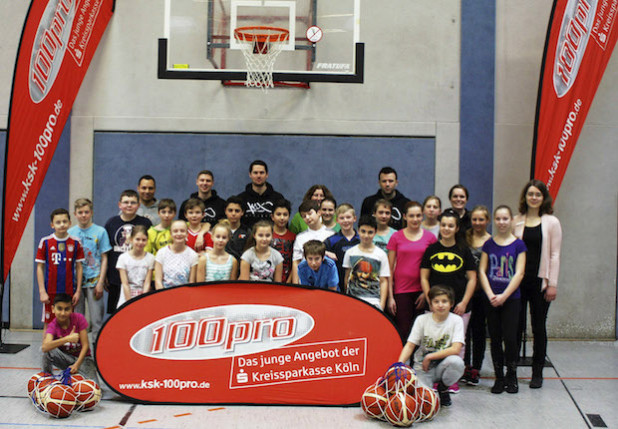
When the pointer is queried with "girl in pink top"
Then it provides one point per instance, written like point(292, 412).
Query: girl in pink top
point(541, 232)
point(405, 252)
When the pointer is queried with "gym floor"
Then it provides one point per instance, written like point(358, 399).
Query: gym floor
point(578, 392)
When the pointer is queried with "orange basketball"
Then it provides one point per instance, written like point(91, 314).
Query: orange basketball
point(402, 409)
point(400, 378)
point(34, 381)
point(59, 400)
point(77, 377)
point(87, 393)
point(428, 403)
point(41, 379)
point(42, 385)
point(374, 400)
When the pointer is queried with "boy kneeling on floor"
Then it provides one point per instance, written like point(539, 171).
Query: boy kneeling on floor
point(66, 340)
point(439, 336)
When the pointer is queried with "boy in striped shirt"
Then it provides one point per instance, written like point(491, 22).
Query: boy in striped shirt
point(59, 260)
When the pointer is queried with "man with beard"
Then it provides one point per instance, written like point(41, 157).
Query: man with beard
point(259, 196)
point(387, 178)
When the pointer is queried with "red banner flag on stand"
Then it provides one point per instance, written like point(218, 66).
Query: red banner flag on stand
point(580, 40)
point(58, 42)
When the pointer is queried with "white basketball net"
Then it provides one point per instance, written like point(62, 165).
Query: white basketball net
point(260, 47)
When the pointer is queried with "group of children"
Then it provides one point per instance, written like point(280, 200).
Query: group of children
point(431, 263)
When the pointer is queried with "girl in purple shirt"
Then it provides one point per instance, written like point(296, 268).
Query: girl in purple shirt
point(501, 271)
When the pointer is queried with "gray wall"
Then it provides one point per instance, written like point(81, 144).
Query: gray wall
point(410, 90)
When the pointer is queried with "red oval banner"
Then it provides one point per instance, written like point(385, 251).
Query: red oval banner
point(245, 342)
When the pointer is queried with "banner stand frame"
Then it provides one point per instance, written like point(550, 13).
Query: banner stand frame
point(6, 348)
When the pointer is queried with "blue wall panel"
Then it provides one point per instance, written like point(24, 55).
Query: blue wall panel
point(348, 166)
point(478, 45)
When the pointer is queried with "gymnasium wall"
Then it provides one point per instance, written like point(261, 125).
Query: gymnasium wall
point(412, 95)
point(294, 162)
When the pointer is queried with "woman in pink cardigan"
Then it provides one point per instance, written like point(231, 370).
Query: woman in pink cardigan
point(541, 232)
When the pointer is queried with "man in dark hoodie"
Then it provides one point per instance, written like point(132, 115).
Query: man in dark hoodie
point(387, 178)
point(259, 196)
point(214, 205)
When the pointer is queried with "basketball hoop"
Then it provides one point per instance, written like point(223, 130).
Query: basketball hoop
point(260, 46)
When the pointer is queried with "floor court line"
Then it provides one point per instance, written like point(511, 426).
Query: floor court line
point(581, 413)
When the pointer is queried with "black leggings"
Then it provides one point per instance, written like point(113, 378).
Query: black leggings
point(476, 336)
point(531, 293)
point(503, 323)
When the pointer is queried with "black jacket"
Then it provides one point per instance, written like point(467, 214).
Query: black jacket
point(258, 206)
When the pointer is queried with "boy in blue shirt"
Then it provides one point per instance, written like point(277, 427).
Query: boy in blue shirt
point(96, 245)
point(317, 269)
point(346, 238)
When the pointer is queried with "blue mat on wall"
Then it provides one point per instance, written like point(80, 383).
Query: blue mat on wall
point(348, 166)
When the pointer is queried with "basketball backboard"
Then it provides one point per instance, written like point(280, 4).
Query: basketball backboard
point(323, 45)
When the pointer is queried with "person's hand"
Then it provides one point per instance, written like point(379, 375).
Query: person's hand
point(497, 300)
point(426, 362)
point(75, 298)
point(420, 302)
point(550, 293)
point(44, 298)
point(459, 309)
point(391, 305)
point(98, 291)
point(199, 243)
point(73, 337)
point(74, 368)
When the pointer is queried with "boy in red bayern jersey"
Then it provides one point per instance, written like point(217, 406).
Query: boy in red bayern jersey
point(58, 260)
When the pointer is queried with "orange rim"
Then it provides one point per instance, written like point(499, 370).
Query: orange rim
point(270, 34)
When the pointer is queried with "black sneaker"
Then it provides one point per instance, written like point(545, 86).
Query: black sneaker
point(498, 386)
point(473, 377)
point(536, 382)
point(511, 385)
point(465, 378)
point(445, 396)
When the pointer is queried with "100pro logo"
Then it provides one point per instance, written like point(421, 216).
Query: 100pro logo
point(223, 331)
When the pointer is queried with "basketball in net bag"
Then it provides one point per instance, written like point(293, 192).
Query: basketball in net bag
point(260, 45)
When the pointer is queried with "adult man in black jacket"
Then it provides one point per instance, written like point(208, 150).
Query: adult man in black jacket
point(259, 195)
point(387, 178)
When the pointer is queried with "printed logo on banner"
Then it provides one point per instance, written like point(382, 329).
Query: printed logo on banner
point(222, 332)
point(305, 362)
point(50, 44)
point(575, 31)
point(245, 342)
point(604, 22)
